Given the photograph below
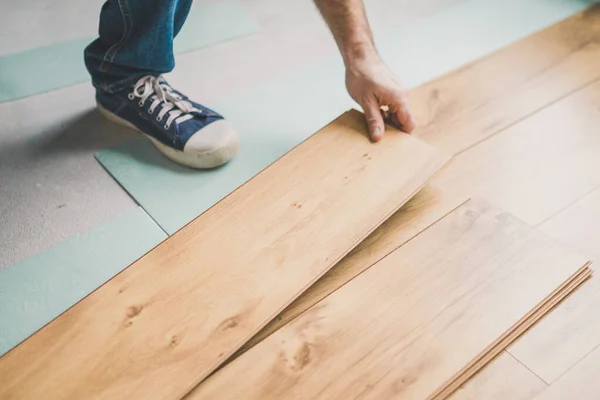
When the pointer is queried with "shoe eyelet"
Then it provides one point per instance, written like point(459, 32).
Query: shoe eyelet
point(131, 96)
point(159, 119)
point(167, 126)
point(150, 110)
point(141, 103)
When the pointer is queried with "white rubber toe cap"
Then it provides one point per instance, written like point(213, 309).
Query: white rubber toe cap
point(214, 136)
point(213, 145)
point(210, 147)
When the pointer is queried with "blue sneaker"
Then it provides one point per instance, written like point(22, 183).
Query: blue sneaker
point(184, 131)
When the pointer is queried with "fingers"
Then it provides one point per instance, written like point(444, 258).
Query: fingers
point(401, 111)
point(374, 119)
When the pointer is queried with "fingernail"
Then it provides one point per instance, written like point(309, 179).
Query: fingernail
point(377, 133)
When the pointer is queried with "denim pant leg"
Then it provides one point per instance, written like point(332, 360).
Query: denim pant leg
point(136, 39)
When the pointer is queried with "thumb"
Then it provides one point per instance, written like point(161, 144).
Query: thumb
point(374, 119)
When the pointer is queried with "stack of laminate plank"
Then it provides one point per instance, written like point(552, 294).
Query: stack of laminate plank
point(422, 303)
point(419, 322)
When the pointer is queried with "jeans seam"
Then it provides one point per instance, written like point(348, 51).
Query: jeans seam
point(113, 50)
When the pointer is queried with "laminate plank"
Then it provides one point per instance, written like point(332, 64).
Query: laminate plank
point(572, 330)
point(538, 166)
point(462, 108)
point(454, 113)
point(503, 378)
point(427, 207)
point(581, 382)
point(168, 320)
point(406, 325)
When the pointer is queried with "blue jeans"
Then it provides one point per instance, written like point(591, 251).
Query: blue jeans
point(136, 39)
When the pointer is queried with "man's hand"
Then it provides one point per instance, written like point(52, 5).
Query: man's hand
point(372, 85)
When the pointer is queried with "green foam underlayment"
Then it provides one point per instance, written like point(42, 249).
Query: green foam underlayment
point(272, 118)
point(37, 290)
point(59, 65)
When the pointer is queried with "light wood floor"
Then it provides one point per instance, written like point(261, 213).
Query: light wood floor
point(524, 125)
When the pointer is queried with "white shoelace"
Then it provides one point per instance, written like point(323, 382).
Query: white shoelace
point(150, 87)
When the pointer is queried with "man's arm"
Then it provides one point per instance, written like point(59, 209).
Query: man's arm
point(370, 83)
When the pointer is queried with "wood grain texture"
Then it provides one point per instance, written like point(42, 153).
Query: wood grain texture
point(538, 166)
point(572, 330)
point(465, 107)
point(423, 210)
point(167, 321)
point(503, 378)
point(406, 325)
point(455, 114)
point(581, 382)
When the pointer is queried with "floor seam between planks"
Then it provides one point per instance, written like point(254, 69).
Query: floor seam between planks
point(529, 115)
point(526, 367)
point(586, 194)
point(566, 370)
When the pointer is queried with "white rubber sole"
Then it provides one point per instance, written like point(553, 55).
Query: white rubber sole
point(216, 157)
